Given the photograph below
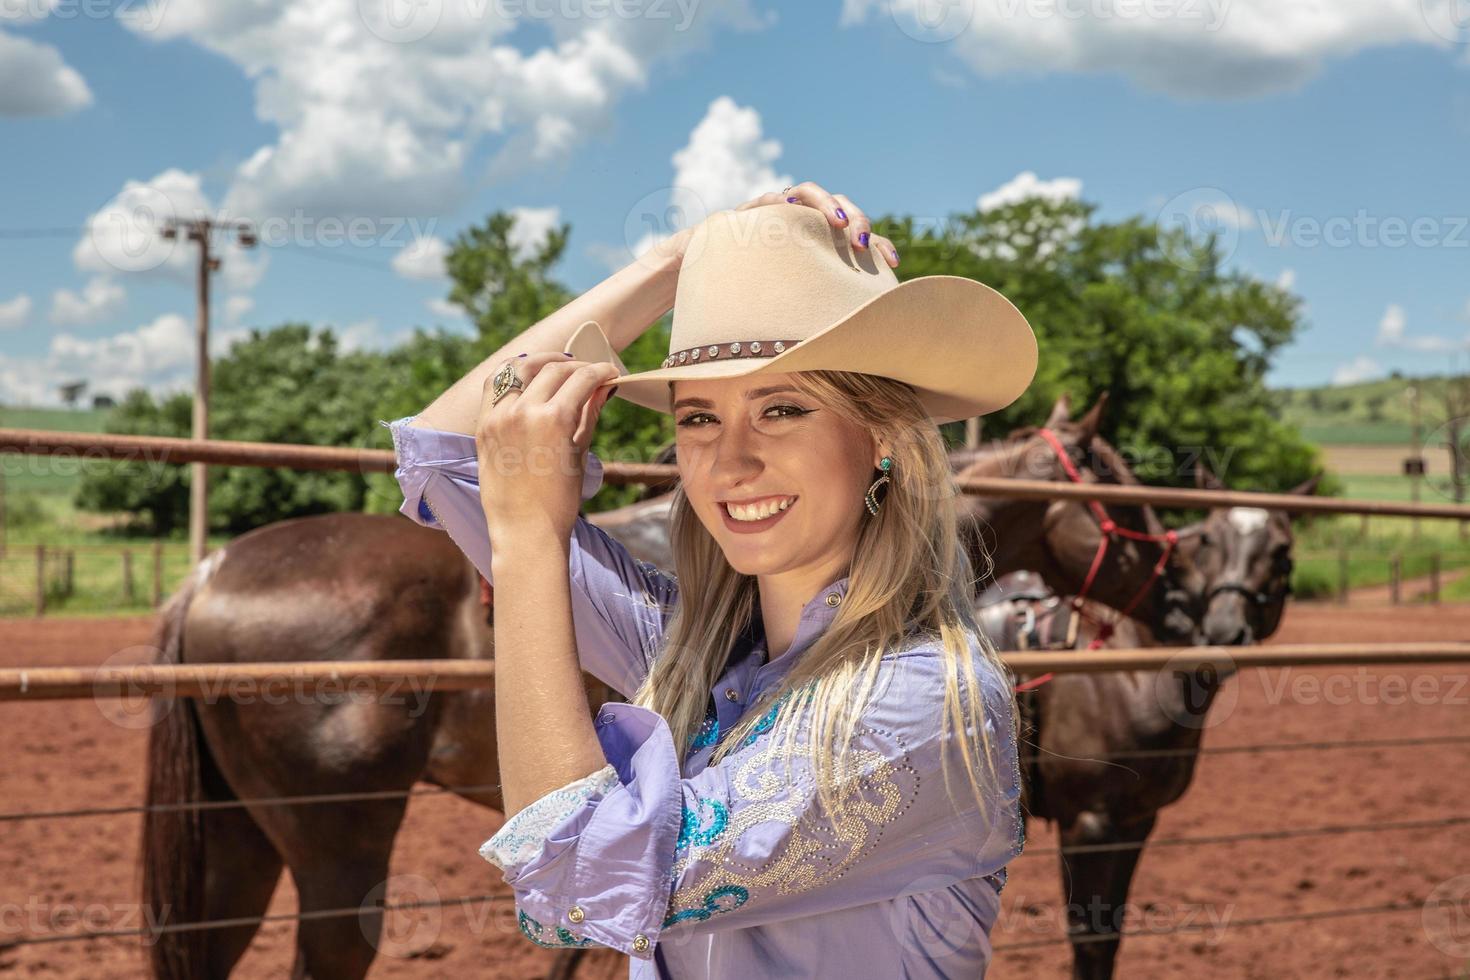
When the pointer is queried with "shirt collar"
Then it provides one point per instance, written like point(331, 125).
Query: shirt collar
point(816, 616)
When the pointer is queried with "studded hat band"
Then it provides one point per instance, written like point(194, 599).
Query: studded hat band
point(725, 352)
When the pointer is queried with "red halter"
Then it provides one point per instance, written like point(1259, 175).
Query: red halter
point(1110, 532)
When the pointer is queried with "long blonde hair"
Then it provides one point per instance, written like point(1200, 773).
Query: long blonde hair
point(910, 574)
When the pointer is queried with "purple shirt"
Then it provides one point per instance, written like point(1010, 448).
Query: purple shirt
point(733, 870)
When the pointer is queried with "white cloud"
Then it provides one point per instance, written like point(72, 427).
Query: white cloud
point(235, 309)
point(158, 356)
point(124, 234)
point(1287, 280)
point(1392, 332)
point(1206, 49)
point(531, 229)
point(726, 161)
point(379, 116)
point(422, 258)
point(15, 312)
point(446, 309)
point(100, 299)
point(1026, 185)
point(1360, 368)
point(35, 80)
point(367, 335)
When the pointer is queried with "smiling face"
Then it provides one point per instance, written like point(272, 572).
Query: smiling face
point(776, 477)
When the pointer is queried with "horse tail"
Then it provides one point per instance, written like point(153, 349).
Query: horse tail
point(173, 840)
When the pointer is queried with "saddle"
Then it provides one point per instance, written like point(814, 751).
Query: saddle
point(1019, 611)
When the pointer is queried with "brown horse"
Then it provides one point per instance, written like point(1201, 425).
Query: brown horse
point(349, 587)
point(1113, 749)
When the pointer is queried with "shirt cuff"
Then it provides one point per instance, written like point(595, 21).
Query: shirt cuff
point(605, 873)
point(421, 452)
point(522, 837)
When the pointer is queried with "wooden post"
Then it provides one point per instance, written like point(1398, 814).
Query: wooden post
point(1395, 576)
point(1434, 578)
point(127, 557)
point(70, 567)
point(157, 574)
point(1342, 576)
point(40, 579)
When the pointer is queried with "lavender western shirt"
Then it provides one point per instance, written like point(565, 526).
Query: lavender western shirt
point(733, 870)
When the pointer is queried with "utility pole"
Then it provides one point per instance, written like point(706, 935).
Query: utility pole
point(198, 230)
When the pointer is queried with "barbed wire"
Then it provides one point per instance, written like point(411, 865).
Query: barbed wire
point(1279, 834)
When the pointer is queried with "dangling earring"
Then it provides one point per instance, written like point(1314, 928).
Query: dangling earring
point(885, 464)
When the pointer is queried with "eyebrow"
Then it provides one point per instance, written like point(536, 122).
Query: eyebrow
point(751, 395)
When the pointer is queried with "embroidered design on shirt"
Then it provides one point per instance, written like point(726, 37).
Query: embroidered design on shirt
point(689, 828)
point(521, 839)
point(708, 734)
point(559, 938)
point(814, 851)
point(723, 899)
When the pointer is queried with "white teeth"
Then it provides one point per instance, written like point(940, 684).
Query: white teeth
point(759, 511)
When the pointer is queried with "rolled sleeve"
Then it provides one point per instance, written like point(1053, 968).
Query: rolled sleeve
point(620, 605)
point(746, 841)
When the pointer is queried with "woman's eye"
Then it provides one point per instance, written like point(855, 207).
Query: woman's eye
point(695, 419)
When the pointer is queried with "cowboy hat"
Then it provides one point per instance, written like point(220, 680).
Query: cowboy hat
point(775, 288)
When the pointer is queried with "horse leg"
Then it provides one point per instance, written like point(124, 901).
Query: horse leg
point(240, 877)
point(1096, 884)
point(343, 864)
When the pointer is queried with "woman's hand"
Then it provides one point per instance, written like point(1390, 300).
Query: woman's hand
point(840, 212)
point(531, 444)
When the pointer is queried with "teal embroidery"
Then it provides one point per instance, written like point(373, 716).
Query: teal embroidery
point(766, 720)
point(536, 932)
point(689, 831)
point(723, 899)
point(708, 734)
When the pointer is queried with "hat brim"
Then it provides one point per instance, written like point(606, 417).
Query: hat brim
point(964, 347)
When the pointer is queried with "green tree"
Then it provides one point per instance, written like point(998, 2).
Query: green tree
point(1143, 313)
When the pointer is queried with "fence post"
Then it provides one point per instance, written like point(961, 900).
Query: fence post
point(40, 579)
point(127, 557)
point(1395, 576)
point(1434, 578)
point(71, 580)
point(1342, 576)
point(157, 574)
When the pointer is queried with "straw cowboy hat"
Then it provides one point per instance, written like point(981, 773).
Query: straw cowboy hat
point(775, 288)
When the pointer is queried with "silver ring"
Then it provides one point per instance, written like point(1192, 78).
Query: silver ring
point(787, 190)
point(506, 380)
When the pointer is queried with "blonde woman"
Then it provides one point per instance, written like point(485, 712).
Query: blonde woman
point(816, 771)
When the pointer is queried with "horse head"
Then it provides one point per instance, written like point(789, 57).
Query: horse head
point(1243, 556)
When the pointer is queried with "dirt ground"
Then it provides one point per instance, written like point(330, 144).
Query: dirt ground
point(60, 875)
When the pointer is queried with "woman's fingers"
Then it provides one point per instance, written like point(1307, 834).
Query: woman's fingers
point(859, 229)
point(885, 248)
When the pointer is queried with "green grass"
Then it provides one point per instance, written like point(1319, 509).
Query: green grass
point(52, 475)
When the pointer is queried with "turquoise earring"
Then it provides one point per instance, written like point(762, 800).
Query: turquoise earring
point(885, 464)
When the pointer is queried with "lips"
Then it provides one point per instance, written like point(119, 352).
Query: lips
point(759, 507)
point(753, 527)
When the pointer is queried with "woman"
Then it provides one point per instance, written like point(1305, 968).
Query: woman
point(776, 798)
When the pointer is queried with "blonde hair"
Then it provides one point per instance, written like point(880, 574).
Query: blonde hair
point(910, 576)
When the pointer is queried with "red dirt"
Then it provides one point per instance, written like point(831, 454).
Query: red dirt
point(61, 875)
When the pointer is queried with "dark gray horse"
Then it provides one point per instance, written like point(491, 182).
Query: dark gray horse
point(1110, 750)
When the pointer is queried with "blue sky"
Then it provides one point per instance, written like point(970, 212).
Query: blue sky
point(1329, 142)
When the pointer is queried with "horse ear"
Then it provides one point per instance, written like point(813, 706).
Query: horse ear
point(1060, 412)
point(1205, 478)
point(1308, 486)
point(1092, 421)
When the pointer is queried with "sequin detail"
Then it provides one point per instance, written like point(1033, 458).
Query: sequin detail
point(724, 899)
point(690, 833)
point(558, 938)
point(521, 839)
point(708, 733)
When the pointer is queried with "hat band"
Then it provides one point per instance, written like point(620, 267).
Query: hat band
point(725, 352)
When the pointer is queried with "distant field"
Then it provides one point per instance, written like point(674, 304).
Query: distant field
point(49, 475)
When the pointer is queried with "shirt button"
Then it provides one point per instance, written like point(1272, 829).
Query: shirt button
point(833, 598)
point(640, 943)
point(576, 914)
point(731, 694)
point(607, 718)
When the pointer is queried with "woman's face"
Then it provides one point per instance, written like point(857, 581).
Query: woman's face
point(760, 441)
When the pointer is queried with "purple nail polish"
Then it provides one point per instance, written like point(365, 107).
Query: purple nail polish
point(791, 200)
point(567, 353)
point(842, 214)
point(520, 355)
point(613, 392)
point(863, 239)
point(895, 253)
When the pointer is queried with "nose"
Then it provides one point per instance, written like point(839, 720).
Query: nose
point(734, 456)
